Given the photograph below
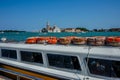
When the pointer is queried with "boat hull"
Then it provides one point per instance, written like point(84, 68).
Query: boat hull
point(25, 72)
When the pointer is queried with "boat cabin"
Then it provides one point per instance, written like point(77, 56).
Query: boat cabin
point(52, 62)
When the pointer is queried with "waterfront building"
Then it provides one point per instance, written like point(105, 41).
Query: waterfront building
point(78, 30)
point(48, 28)
point(51, 29)
point(56, 29)
point(72, 30)
point(69, 30)
point(114, 29)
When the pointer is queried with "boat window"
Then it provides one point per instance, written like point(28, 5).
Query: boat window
point(109, 68)
point(64, 61)
point(31, 56)
point(9, 53)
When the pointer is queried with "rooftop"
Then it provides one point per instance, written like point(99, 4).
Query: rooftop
point(69, 49)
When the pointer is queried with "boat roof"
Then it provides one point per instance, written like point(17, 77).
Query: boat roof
point(71, 49)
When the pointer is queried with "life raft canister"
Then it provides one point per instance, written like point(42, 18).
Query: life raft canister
point(42, 40)
point(113, 41)
point(31, 40)
point(96, 40)
point(64, 40)
point(79, 40)
point(52, 40)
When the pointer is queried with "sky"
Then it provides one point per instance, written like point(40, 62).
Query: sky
point(34, 14)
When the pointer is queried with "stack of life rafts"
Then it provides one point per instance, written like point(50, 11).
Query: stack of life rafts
point(92, 41)
point(41, 40)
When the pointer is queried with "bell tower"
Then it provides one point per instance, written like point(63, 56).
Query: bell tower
point(47, 25)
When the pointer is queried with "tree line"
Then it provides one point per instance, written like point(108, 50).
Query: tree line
point(11, 31)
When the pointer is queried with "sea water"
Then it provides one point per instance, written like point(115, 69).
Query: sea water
point(22, 36)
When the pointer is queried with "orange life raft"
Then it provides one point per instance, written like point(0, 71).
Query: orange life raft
point(79, 40)
point(31, 40)
point(52, 40)
point(96, 41)
point(113, 41)
point(64, 40)
point(42, 40)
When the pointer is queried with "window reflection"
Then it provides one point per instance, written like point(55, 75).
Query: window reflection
point(64, 61)
point(9, 53)
point(104, 67)
point(31, 56)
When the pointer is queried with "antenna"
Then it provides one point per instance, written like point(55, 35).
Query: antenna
point(87, 59)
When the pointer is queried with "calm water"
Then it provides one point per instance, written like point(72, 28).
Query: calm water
point(21, 36)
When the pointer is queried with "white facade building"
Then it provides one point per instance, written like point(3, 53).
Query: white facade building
point(56, 29)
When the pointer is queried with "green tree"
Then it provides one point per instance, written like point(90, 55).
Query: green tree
point(44, 30)
point(82, 28)
point(95, 30)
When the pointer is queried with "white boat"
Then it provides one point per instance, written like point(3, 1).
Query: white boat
point(62, 62)
point(2, 32)
point(3, 39)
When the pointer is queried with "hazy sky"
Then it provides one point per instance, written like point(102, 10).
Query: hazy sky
point(33, 14)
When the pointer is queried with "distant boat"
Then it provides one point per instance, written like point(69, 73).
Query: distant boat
point(17, 32)
point(83, 32)
point(2, 32)
point(3, 39)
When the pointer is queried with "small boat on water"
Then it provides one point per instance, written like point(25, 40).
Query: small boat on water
point(54, 62)
point(2, 32)
point(3, 39)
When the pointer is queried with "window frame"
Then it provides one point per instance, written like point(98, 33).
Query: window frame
point(96, 75)
point(64, 69)
point(34, 63)
point(9, 57)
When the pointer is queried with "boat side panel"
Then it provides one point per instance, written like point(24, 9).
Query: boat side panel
point(58, 74)
point(45, 77)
